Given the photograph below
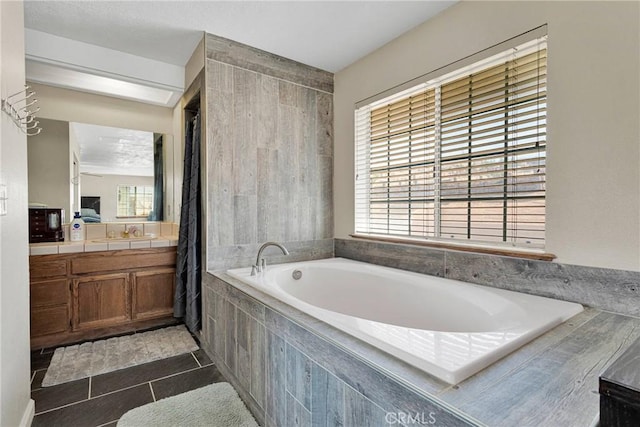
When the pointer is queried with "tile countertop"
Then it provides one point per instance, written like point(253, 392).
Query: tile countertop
point(551, 381)
point(53, 248)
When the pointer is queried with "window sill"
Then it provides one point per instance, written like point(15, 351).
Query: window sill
point(516, 253)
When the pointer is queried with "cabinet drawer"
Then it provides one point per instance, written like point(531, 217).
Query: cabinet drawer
point(40, 269)
point(52, 292)
point(49, 320)
point(113, 261)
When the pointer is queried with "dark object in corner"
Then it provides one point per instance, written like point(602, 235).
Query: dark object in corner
point(620, 390)
point(90, 202)
point(45, 225)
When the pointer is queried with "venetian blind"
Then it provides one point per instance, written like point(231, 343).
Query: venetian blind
point(460, 157)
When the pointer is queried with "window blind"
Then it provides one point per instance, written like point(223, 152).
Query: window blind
point(460, 157)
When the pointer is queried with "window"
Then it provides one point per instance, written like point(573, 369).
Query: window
point(134, 201)
point(460, 157)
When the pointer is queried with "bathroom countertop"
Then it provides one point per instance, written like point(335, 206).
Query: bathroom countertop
point(551, 381)
point(100, 245)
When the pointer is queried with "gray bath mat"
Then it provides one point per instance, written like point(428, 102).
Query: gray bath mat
point(216, 405)
point(98, 357)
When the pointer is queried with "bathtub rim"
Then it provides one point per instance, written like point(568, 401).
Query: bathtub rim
point(491, 291)
point(409, 376)
point(450, 375)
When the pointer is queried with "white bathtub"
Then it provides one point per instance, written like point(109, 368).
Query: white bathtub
point(449, 329)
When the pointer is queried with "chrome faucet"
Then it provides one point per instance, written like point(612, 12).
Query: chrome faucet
point(261, 264)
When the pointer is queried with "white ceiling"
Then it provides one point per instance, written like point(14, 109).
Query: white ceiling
point(107, 150)
point(326, 34)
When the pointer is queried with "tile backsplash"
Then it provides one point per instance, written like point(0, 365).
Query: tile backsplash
point(118, 229)
point(101, 231)
point(166, 228)
point(154, 228)
point(96, 231)
point(165, 234)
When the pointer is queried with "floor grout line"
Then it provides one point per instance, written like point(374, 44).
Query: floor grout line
point(175, 375)
point(106, 424)
point(90, 395)
point(122, 389)
point(33, 377)
point(197, 361)
point(61, 407)
point(152, 393)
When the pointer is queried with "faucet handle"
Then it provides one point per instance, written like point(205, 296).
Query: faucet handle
point(255, 270)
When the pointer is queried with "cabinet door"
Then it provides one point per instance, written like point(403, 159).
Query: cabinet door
point(101, 301)
point(153, 293)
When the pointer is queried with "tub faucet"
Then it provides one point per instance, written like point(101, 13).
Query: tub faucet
point(261, 264)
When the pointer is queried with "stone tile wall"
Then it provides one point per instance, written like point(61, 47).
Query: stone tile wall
point(269, 152)
point(290, 376)
point(606, 289)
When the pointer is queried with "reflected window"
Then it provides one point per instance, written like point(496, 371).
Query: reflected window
point(134, 201)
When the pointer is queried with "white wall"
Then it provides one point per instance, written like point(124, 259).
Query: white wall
point(107, 188)
point(195, 64)
point(593, 178)
point(178, 160)
point(16, 408)
point(48, 163)
point(73, 160)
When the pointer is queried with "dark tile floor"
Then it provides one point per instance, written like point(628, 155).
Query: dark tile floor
point(102, 399)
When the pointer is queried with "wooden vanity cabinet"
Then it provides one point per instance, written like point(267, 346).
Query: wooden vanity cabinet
point(49, 302)
point(49, 307)
point(88, 295)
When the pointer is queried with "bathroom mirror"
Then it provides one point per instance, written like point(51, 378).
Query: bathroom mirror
point(109, 174)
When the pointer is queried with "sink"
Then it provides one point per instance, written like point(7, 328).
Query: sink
point(123, 239)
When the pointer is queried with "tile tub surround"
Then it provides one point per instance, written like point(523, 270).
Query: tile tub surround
point(417, 318)
point(612, 290)
point(286, 364)
point(226, 257)
point(271, 178)
point(267, 358)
